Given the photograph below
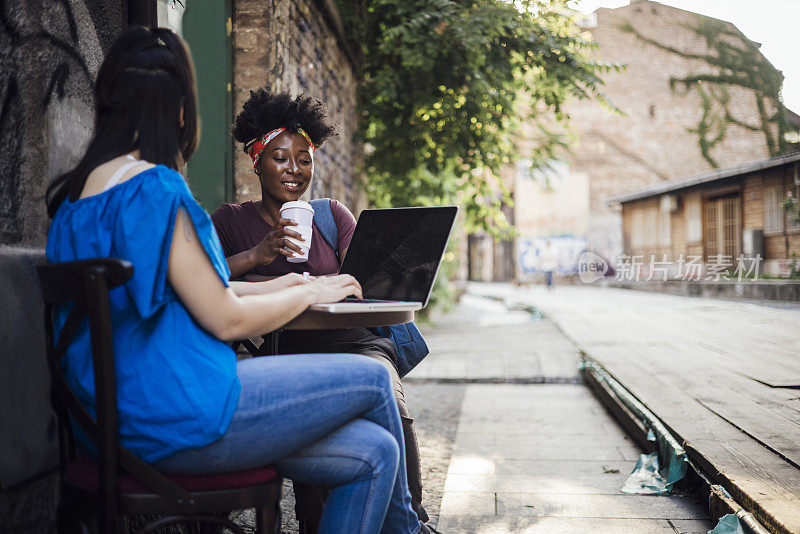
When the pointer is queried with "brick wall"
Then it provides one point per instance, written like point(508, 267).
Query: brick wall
point(286, 45)
point(650, 143)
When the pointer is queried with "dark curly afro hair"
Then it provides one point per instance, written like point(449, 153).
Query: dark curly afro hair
point(265, 111)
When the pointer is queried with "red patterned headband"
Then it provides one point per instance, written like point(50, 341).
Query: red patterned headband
point(255, 147)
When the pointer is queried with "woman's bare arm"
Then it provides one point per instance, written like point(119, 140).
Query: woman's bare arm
point(256, 278)
point(221, 311)
point(267, 250)
point(241, 263)
point(266, 284)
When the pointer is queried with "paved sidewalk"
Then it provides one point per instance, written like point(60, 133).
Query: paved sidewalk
point(721, 375)
point(534, 450)
point(484, 341)
point(727, 332)
point(548, 459)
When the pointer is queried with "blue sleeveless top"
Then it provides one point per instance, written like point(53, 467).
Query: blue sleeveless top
point(177, 387)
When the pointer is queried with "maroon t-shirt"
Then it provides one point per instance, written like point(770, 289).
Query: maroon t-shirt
point(241, 227)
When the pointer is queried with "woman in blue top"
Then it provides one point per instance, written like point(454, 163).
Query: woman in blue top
point(185, 404)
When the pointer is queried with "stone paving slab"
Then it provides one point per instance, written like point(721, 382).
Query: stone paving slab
point(522, 366)
point(514, 346)
point(595, 505)
point(508, 466)
point(548, 458)
point(550, 446)
point(607, 483)
point(542, 412)
point(571, 525)
point(587, 426)
point(463, 503)
point(513, 451)
point(526, 436)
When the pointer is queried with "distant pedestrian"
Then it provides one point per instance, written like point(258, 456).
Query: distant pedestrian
point(548, 263)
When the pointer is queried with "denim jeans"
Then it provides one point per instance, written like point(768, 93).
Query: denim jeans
point(309, 499)
point(323, 419)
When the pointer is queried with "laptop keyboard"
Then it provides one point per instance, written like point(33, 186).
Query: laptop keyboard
point(354, 299)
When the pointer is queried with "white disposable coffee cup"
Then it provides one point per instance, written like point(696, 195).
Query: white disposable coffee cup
point(303, 214)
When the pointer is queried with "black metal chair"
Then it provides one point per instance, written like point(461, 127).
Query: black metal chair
point(121, 484)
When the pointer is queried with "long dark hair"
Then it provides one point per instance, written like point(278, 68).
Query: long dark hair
point(143, 84)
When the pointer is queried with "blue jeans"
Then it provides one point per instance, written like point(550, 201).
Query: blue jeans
point(321, 419)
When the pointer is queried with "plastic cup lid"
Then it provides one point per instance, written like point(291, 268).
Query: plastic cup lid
point(300, 204)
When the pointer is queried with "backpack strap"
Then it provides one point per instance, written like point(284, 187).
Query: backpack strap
point(323, 220)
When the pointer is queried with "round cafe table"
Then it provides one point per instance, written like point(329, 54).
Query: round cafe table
point(322, 320)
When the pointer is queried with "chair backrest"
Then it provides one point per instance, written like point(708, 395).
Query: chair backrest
point(86, 284)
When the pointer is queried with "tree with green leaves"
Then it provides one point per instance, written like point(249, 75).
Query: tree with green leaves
point(446, 84)
point(731, 61)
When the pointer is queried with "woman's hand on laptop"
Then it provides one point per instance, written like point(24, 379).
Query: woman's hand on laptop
point(334, 288)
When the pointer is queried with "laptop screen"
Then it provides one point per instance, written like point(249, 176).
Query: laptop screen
point(395, 253)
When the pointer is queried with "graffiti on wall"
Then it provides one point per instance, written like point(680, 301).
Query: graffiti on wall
point(49, 55)
point(558, 254)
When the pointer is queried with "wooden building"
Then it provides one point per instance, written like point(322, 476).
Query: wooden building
point(730, 212)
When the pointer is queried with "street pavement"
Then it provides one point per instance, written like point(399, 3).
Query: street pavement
point(534, 450)
point(483, 340)
point(728, 332)
point(513, 442)
point(721, 374)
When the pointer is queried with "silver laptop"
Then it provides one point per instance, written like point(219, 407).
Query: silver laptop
point(395, 254)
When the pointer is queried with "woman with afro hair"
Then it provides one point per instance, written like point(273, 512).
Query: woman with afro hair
point(280, 134)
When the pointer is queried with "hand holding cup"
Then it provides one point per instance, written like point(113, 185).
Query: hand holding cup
point(277, 242)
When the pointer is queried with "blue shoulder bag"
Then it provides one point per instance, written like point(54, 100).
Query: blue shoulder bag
point(411, 348)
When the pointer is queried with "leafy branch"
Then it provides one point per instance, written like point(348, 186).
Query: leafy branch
point(446, 85)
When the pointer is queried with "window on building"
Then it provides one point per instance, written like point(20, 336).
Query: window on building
point(694, 221)
point(722, 226)
point(773, 211)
